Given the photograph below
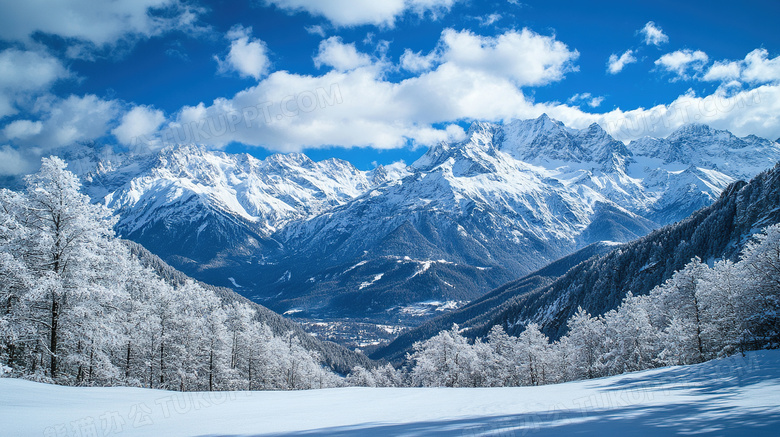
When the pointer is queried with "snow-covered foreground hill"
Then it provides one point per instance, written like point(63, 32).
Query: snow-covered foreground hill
point(734, 396)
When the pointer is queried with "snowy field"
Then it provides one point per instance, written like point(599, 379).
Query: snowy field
point(735, 396)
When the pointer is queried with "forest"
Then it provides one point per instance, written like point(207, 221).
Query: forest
point(80, 308)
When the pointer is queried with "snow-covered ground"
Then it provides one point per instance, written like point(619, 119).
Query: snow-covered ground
point(735, 396)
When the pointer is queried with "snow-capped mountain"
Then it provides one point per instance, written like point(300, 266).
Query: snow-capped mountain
point(200, 206)
point(598, 277)
point(325, 238)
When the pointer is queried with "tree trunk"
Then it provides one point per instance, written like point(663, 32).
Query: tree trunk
point(127, 362)
point(162, 364)
point(211, 370)
point(55, 315)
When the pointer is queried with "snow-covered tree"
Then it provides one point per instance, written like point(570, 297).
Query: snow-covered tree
point(761, 262)
point(533, 352)
point(445, 360)
point(631, 339)
point(678, 304)
point(586, 341)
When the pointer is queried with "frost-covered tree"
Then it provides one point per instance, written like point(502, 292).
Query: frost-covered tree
point(533, 352)
point(385, 376)
point(77, 308)
point(68, 246)
point(761, 263)
point(725, 307)
point(631, 340)
point(16, 334)
point(677, 303)
point(445, 360)
point(499, 357)
point(586, 341)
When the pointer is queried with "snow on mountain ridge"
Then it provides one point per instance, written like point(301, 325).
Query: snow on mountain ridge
point(267, 192)
point(510, 197)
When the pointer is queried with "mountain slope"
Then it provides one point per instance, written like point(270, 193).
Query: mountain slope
point(482, 310)
point(325, 240)
point(600, 283)
point(337, 357)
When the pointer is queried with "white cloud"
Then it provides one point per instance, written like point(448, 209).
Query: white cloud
point(756, 68)
point(487, 20)
point(316, 30)
point(352, 13)
point(616, 63)
point(247, 56)
point(100, 23)
point(417, 62)
point(474, 77)
point(653, 34)
point(138, 124)
point(759, 68)
point(526, 58)
point(66, 121)
point(334, 53)
point(62, 122)
point(681, 62)
point(587, 98)
point(22, 129)
point(13, 162)
point(755, 111)
point(723, 71)
point(596, 101)
point(24, 74)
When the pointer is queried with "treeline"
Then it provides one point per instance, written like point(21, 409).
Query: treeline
point(77, 308)
point(702, 312)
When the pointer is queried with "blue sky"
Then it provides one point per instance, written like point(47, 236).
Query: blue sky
point(373, 82)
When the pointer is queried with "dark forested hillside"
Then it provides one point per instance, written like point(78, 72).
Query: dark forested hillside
point(599, 284)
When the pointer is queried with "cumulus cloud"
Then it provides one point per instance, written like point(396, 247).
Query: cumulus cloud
point(20, 129)
point(247, 56)
point(352, 13)
point(289, 112)
point(616, 63)
point(335, 53)
point(14, 162)
point(95, 23)
point(472, 77)
point(756, 68)
point(653, 34)
point(759, 68)
point(526, 58)
point(66, 121)
point(723, 71)
point(25, 74)
point(61, 122)
point(754, 111)
point(681, 62)
point(138, 124)
point(416, 62)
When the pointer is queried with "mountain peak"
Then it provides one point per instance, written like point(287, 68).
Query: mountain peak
point(692, 129)
point(478, 127)
point(293, 159)
point(544, 118)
